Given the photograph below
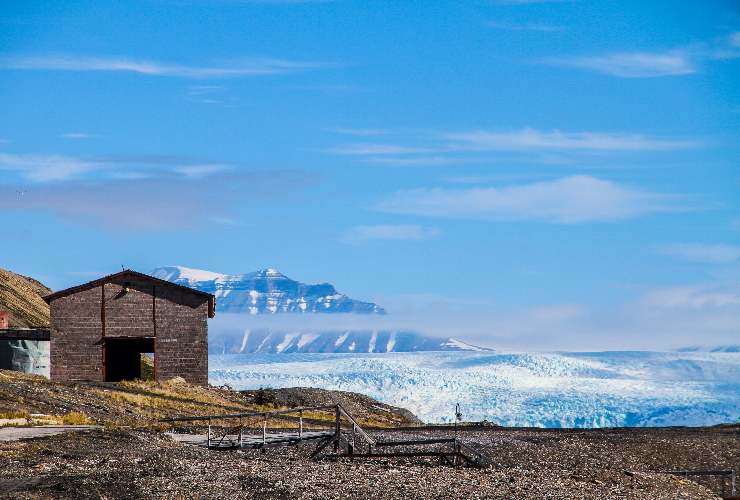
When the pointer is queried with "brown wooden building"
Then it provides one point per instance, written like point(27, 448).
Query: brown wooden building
point(99, 329)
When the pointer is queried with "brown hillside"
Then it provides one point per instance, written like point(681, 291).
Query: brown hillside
point(142, 403)
point(22, 297)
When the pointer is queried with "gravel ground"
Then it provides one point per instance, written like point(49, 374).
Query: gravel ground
point(527, 464)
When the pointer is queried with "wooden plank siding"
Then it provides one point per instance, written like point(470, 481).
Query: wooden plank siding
point(130, 305)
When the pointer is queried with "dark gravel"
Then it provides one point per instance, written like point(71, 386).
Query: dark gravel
point(527, 464)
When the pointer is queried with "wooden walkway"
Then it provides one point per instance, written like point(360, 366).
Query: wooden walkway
point(344, 438)
point(232, 441)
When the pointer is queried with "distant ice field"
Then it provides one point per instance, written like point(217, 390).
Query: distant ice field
point(600, 389)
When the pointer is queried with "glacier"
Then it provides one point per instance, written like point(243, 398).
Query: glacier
point(555, 390)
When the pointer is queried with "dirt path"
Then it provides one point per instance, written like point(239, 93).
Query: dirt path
point(18, 433)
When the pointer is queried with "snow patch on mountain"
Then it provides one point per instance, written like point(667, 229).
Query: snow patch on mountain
point(602, 389)
point(267, 341)
point(713, 348)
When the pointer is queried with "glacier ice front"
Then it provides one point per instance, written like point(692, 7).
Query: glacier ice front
point(604, 389)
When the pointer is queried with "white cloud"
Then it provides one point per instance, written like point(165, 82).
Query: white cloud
point(76, 135)
point(531, 139)
point(696, 252)
point(569, 200)
point(639, 64)
point(544, 28)
point(361, 132)
point(530, 2)
point(40, 168)
point(199, 171)
point(435, 148)
point(375, 149)
point(172, 202)
point(390, 232)
point(415, 160)
point(703, 296)
point(45, 168)
point(735, 39)
point(243, 67)
point(634, 64)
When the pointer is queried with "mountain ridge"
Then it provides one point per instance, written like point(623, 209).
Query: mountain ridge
point(269, 292)
point(266, 291)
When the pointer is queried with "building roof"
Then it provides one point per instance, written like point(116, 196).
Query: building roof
point(128, 272)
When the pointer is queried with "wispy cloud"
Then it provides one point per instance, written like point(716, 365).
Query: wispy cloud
point(530, 2)
point(376, 149)
point(735, 39)
point(389, 232)
point(417, 160)
point(543, 28)
point(171, 203)
point(647, 64)
point(361, 132)
point(199, 171)
point(45, 168)
point(437, 148)
point(76, 135)
point(633, 64)
point(241, 67)
point(528, 139)
point(280, 2)
point(569, 200)
point(699, 296)
point(697, 252)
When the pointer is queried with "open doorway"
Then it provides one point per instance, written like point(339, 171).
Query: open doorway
point(126, 358)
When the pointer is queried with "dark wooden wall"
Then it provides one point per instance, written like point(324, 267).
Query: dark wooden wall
point(175, 317)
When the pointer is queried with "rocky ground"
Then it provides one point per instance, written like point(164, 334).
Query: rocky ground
point(139, 403)
point(526, 464)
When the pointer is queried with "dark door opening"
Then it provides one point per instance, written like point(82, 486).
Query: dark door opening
point(123, 357)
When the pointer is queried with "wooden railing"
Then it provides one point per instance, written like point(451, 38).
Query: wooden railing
point(452, 451)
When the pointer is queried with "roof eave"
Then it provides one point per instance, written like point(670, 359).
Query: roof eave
point(108, 278)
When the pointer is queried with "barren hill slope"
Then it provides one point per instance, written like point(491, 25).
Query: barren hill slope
point(22, 297)
point(142, 403)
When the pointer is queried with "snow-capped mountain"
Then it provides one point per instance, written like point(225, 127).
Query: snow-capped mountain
point(269, 292)
point(267, 341)
point(603, 389)
point(266, 292)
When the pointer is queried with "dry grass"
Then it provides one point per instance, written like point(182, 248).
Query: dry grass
point(21, 296)
point(142, 404)
point(76, 418)
point(15, 414)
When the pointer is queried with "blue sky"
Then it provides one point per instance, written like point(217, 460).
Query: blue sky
point(520, 173)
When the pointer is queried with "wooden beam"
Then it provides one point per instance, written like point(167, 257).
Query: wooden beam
point(42, 334)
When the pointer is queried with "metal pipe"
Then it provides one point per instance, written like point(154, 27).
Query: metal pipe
point(264, 430)
point(300, 423)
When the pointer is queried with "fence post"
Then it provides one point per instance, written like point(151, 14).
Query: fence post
point(264, 431)
point(300, 424)
point(337, 429)
point(240, 432)
point(352, 443)
point(208, 438)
